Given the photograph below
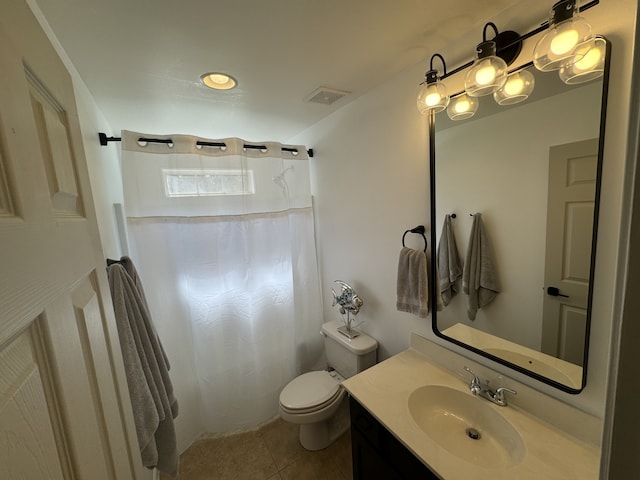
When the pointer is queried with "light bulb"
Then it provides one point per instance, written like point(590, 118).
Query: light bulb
point(567, 30)
point(485, 75)
point(513, 86)
point(461, 107)
point(563, 42)
point(590, 62)
point(517, 88)
point(219, 78)
point(218, 81)
point(488, 73)
point(432, 95)
point(432, 99)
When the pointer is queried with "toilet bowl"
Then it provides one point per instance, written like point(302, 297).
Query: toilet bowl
point(311, 400)
point(317, 400)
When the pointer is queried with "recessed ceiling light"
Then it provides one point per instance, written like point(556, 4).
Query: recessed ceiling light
point(218, 81)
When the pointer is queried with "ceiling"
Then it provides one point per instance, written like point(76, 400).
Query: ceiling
point(142, 59)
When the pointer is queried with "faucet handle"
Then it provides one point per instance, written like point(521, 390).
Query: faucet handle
point(499, 395)
point(474, 386)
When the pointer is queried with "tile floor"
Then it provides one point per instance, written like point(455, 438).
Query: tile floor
point(272, 452)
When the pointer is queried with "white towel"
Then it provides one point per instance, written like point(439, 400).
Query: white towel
point(153, 402)
point(413, 282)
point(479, 278)
point(449, 264)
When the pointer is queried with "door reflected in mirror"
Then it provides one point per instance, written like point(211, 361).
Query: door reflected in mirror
point(532, 170)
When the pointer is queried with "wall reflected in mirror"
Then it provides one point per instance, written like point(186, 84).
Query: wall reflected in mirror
point(531, 170)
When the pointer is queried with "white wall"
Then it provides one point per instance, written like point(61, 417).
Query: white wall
point(370, 184)
point(369, 180)
point(104, 168)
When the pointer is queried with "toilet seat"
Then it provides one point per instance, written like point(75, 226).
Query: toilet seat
point(310, 392)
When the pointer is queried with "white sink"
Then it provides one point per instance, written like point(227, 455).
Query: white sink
point(466, 426)
point(429, 407)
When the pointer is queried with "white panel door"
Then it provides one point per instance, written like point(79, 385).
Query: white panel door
point(64, 407)
point(572, 187)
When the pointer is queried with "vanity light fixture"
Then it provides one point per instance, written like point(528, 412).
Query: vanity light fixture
point(568, 46)
point(592, 56)
point(218, 81)
point(489, 71)
point(462, 107)
point(433, 94)
point(567, 31)
point(516, 89)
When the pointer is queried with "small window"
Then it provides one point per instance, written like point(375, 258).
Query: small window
point(202, 183)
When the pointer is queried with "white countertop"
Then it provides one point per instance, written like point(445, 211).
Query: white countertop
point(384, 391)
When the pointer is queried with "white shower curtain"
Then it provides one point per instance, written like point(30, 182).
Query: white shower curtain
point(224, 239)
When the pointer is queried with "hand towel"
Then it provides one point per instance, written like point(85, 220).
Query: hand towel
point(479, 277)
point(413, 282)
point(449, 265)
point(152, 399)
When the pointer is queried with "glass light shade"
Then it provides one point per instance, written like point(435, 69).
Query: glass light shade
point(462, 107)
point(516, 89)
point(591, 56)
point(432, 96)
point(488, 72)
point(558, 46)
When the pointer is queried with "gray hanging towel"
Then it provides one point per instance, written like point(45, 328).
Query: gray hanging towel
point(152, 399)
point(128, 265)
point(479, 277)
point(413, 282)
point(449, 264)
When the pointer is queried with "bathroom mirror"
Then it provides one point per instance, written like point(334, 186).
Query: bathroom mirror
point(533, 171)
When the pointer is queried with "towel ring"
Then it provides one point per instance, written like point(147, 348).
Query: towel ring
point(420, 230)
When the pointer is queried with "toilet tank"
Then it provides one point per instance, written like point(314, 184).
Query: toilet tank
point(348, 356)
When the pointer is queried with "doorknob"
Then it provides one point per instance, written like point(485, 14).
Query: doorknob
point(554, 292)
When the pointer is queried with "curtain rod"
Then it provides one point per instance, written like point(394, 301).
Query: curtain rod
point(542, 27)
point(104, 141)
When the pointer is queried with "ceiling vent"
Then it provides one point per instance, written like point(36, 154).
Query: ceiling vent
point(326, 96)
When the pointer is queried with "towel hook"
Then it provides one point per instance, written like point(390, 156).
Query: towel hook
point(420, 230)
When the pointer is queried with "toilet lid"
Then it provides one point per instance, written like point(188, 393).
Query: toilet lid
point(309, 390)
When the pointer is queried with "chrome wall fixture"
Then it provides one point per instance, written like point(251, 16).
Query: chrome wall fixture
point(568, 46)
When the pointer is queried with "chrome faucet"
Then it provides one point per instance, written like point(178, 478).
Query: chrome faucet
point(478, 389)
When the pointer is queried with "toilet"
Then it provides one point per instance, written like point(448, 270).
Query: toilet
point(315, 400)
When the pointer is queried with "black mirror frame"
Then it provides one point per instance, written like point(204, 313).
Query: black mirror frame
point(433, 251)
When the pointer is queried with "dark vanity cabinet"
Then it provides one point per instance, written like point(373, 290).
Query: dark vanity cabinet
point(377, 454)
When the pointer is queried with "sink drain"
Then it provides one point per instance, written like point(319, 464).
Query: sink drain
point(472, 433)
